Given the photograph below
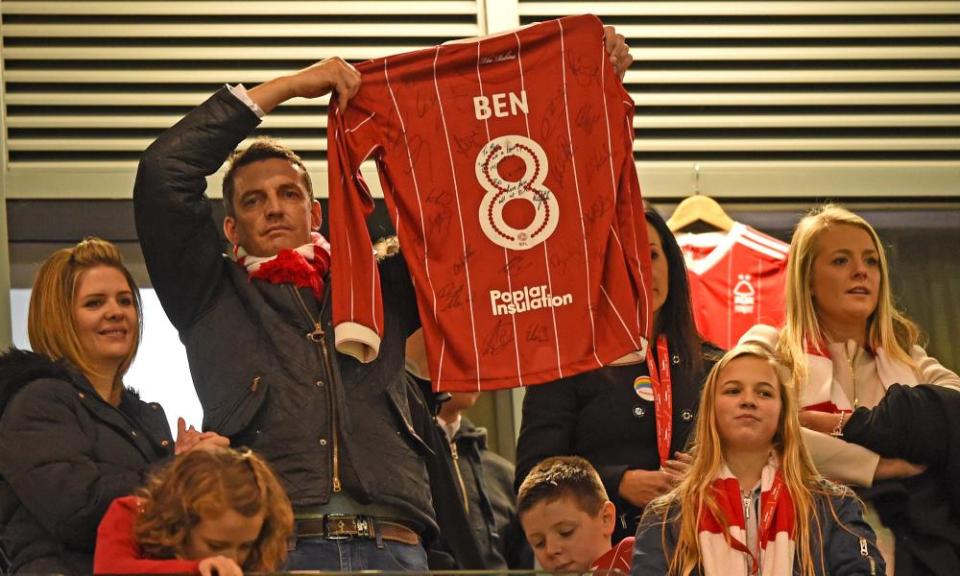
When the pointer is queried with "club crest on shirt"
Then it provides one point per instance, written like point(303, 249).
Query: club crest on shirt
point(744, 295)
point(643, 386)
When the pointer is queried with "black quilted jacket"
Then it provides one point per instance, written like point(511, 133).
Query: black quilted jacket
point(65, 454)
point(313, 413)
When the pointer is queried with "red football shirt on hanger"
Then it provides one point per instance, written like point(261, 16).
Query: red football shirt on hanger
point(736, 281)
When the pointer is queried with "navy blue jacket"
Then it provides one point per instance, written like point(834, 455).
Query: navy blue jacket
point(847, 550)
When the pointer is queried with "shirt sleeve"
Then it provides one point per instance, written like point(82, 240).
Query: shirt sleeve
point(118, 553)
point(178, 236)
point(619, 558)
point(839, 460)
point(761, 334)
point(851, 545)
point(241, 93)
point(639, 257)
point(931, 371)
point(357, 303)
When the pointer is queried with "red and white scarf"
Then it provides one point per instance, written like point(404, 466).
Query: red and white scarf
point(724, 549)
point(304, 266)
point(823, 393)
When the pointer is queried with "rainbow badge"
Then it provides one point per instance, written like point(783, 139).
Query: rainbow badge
point(643, 386)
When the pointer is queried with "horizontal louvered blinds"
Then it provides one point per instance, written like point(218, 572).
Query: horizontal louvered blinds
point(90, 84)
point(804, 98)
point(790, 98)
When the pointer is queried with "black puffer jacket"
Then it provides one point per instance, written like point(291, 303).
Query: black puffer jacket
point(65, 454)
point(315, 414)
point(920, 424)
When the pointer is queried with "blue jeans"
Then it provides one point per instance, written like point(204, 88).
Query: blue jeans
point(356, 554)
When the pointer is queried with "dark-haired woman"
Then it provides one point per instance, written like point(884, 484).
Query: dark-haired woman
point(629, 421)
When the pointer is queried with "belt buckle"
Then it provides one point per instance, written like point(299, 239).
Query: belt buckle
point(345, 526)
point(335, 526)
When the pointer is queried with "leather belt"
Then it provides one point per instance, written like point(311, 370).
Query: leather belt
point(346, 526)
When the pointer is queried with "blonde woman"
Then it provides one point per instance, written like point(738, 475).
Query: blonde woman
point(846, 344)
point(752, 502)
point(72, 437)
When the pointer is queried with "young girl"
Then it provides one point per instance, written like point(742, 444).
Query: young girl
point(752, 502)
point(212, 512)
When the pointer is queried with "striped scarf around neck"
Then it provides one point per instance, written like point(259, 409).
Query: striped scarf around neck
point(724, 548)
point(304, 266)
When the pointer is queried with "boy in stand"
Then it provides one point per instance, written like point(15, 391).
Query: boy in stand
point(568, 518)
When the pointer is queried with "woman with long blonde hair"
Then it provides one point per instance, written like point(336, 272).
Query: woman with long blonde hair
point(832, 237)
point(752, 501)
point(846, 343)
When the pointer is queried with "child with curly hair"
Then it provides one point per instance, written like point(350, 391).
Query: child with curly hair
point(211, 512)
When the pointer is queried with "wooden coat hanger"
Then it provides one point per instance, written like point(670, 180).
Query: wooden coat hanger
point(699, 208)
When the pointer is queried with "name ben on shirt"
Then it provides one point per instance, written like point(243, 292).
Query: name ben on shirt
point(500, 105)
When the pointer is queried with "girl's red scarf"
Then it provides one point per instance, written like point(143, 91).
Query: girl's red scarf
point(304, 267)
point(723, 546)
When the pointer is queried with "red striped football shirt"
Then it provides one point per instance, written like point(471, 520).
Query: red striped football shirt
point(507, 169)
